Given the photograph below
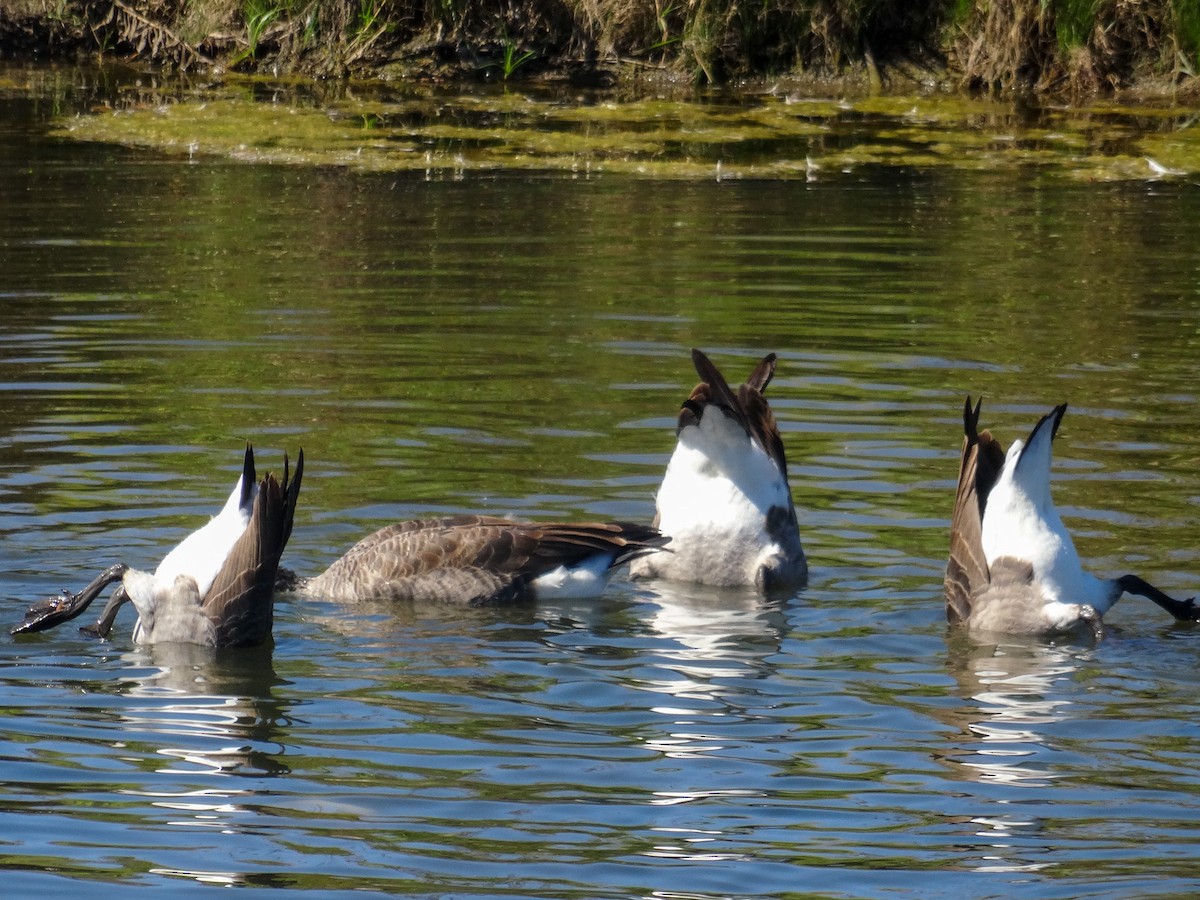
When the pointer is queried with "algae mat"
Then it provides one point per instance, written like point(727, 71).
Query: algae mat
point(768, 135)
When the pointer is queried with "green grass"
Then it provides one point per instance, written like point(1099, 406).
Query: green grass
point(1185, 20)
point(258, 14)
point(1073, 22)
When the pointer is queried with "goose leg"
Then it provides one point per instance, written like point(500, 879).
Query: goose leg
point(103, 625)
point(47, 613)
point(1182, 610)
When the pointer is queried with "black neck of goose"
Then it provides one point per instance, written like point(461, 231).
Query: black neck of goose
point(1182, 610)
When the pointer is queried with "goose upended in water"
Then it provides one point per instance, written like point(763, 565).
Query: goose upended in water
point(725, 501)
point(215, 588)
point(482, 560)
point(1013, 567)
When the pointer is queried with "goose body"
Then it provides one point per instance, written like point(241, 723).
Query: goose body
point(725, 500)
point(483, 560)
point(1013, 567)
point(216, 588)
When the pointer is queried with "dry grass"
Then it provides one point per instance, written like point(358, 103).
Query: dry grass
point(998, 45)
point(1074, 46)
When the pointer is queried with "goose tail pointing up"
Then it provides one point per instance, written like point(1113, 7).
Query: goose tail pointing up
point(230, 601)
point(1013, 566)
point(725, 498)
point(240, 603)
point(1034, 458)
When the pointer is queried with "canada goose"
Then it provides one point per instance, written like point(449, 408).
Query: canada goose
point(482, 560)
point(216, 588)
point(725, 500)
point(1013, 567)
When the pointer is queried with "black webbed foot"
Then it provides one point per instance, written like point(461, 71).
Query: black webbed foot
point(46, 614)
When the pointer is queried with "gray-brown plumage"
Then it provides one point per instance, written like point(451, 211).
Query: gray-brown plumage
point(1006, 595)
point(482, 560)
point(967, 571)
point(216, 588)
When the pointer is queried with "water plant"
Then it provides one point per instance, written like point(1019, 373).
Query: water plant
point(512, 59)
point(1185, 29)
point(663, 16)
point(368, 27)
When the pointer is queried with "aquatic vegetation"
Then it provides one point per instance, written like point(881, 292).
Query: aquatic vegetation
point(767, 136)
point(513, 59)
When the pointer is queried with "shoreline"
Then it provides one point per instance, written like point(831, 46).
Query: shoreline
point(253, 37)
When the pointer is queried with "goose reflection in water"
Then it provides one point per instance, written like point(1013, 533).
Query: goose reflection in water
point(715, 646)
point(1011, 689)
point(210, 708)
point(211, 724)
point(1014, 695)
point(716, 626)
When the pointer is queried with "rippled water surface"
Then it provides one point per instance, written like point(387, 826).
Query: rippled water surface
point(518, 344)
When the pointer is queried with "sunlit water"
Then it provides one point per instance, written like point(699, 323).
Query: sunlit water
point(519, 345)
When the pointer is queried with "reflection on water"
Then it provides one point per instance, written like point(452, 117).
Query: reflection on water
point(712, 625)
point(1017, 696)
point(211, 714)
point(710, 640)
point(520, 347)
point(1014, 688)
point(219, 704)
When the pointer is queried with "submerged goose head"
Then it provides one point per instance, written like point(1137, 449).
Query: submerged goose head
point(215, 588)
point(725, 499)
point(1013, 566)
point(483, 560)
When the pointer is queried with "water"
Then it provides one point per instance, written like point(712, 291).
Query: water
point(518, 344)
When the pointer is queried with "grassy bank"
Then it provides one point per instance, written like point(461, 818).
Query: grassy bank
point(998, 45)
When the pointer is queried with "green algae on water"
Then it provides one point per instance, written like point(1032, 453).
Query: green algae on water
point(764, 136)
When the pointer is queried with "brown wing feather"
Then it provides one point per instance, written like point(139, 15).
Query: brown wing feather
point(966, 570)
point(979, 466)
point(240, 603)
point(762, 374)
point(991, 454)
point(757, 416)
point(570, 544)
point(721, 393)
point(472, 559)
point(748, 406)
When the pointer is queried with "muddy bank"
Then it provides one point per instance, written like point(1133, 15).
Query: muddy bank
point(1037, 46)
